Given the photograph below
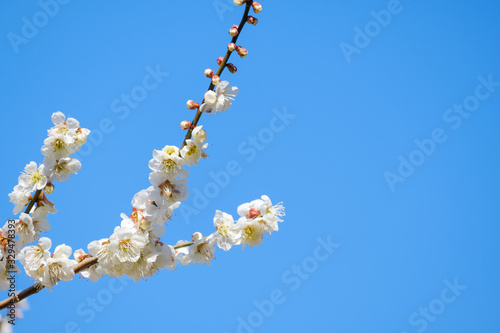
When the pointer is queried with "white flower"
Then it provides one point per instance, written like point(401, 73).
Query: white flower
point(126, 244)
point(199, 134)
point(40, 222)
point(63, 126)
point(200, 252)
point(141, 199)
point(162, 210)
point(58, 146)
point(263, 211)
point(168, 162)
point(20, 198)
point(173, 190)
point(100, 250)
point(61, 169)
point(81, 136)
point(25, 229)
point(251, 232)
point(94, 272)
point(166, 257)
point(33, 257)
point(227, 234)
point(59, 267)
point(32, 178)
point(222, 97)
point(192, 152)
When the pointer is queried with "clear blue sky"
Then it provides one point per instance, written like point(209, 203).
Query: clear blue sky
point(375, 122)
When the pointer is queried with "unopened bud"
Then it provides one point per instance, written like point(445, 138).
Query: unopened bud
point(239, 2)
point(231, 47)
point(242, 52)
point(252, 20)
point(197, 236)
point(220, 60)
point(256, 7)
point(233, 32)
point(80, 255)
point(231, 68)
point(200, 134)
point(49, 188)
point(215, 80)
point(185, 124)
point(209, 72)
point(192, 105)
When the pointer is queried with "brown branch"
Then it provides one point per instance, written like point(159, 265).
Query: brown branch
point(219, 71)
point(84, 264)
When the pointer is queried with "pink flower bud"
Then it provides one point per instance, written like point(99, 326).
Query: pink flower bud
point(231, 68)
point(219, 60)
point(256, 7)
point(80, 255)
point(192, 105)
point(233, 32)
point(209, 73)
point(239, 2)
point(215, 80)
point(231, 47)
point(252, 20)
point(242, 52)
point(185, 124)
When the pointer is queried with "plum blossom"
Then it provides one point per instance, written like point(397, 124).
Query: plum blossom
point(221, 98)
point(32, 178)
point(58, 267)
point(227, 234)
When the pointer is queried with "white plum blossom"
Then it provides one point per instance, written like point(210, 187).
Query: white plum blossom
point(166, 189)
point(58, 267)
point(221, 98)
point(166, 257)
point(126, 243)
point(100, 250)
point(40, 222)
point(20, 198)
point(251, 232)
point(32, 178)
point(227, 234)
point(192, 152)
point(33, 257)
point(94, 272)
point(61, 169)
point(262, 211)
point(25, 229)
point(58, 146)
point(168, 162)
point(199, 134)
point(200, 252)
point(63, 126)
point(81, 136)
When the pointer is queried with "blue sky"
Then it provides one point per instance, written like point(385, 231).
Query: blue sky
point(374, 122)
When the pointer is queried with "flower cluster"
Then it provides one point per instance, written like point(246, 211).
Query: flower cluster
point(256, 218)
point(64, 138)
point(135, 249)
point(45, 267)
